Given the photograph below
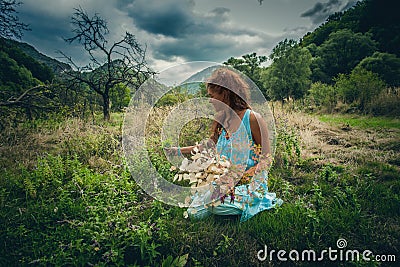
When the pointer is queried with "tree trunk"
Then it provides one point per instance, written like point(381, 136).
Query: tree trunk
point(106, 107)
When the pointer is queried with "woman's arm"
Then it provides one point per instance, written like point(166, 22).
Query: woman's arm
point(260, 135)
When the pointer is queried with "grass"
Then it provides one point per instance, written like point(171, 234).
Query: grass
point(67, 199)
point(364, 122)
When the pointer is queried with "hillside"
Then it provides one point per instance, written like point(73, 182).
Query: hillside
point(55, 65)
point(375, 17)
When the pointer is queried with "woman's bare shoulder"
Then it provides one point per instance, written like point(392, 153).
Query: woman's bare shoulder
point(255, 117)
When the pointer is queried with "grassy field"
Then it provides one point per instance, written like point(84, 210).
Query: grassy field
point(362, 121)
point(66, 198)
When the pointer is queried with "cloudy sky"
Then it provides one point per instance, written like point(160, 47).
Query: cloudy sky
point(177, 31)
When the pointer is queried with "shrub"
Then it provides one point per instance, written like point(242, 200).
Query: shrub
point(323, 96)
point(386, 103)
point(360, 87)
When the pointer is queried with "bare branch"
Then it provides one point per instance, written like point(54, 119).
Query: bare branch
point(10, 26)
point(18, 100)
point(88, 31)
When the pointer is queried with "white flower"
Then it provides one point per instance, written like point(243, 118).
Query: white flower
point(185, 215)
point(173, 168)
point(202, 169)
point(184, 164)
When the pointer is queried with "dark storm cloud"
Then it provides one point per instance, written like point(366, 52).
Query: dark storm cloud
point(173, 30)
point(47, 32)
point(211, 47)
point(190, 35)
point(169, 18)
point(122, 4)
point(50, 22)
point(176, 18)
point(221, 11)
point(321, 11)
point(349, 5)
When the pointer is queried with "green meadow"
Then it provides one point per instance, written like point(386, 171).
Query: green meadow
point(67, 198)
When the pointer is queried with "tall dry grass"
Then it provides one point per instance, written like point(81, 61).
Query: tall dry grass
point(340, 143)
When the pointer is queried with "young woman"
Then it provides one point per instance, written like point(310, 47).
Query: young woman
point(241, 135)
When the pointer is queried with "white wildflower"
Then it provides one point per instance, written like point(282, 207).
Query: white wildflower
point(204, 168)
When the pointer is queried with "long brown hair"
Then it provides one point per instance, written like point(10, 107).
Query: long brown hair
point(235, 92)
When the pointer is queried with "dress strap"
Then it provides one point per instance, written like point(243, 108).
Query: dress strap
point(246, 121)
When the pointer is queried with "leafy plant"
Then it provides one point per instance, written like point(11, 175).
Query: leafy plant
point(288, 149)
point(223, 245)
point(179, 261)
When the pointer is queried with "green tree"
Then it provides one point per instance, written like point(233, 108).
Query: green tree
point(38, 70)
point(360, 87)
point(22, 93)
point(386, 65)
point(319, 35)
point(375, 17)
point(382, 20)
point(323, 96)
point(289, 74)
point(120, 97)
point(340, 53)
point(15, 76)
point(250, 65)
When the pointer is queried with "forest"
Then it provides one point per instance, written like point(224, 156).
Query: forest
point(67, 197)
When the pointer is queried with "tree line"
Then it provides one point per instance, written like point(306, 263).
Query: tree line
point(349, 64)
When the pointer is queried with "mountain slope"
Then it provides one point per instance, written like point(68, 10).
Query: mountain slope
point(55, 65)
point(377, 17)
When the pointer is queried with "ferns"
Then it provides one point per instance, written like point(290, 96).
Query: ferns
point(29, 188)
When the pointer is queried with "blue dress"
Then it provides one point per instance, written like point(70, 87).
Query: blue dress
point(249, 199)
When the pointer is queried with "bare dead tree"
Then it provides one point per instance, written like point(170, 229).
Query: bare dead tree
point(123, 61)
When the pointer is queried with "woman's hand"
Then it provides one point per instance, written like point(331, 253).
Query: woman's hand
point(178, 151)
point(250, 172)
point(247, 175)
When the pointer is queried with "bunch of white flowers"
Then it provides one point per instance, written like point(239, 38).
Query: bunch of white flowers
point(205, 167)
